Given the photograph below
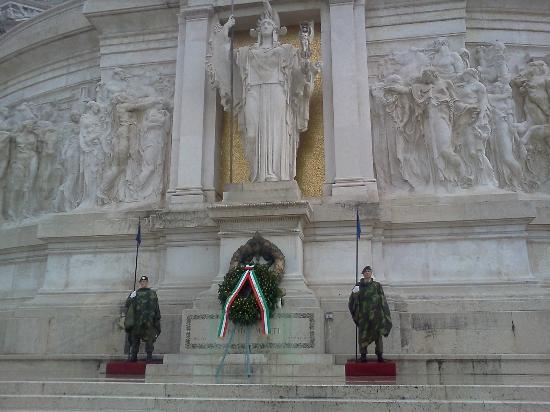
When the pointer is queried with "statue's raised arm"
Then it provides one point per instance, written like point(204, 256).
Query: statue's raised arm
point(219, 61)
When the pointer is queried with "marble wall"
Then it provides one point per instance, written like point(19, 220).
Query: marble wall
point(451, 181)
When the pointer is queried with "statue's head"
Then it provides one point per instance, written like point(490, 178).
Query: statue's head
point(538, 67)
point(75, 116)
point(393, 79)
point(441, 43)
point(120, 74)
point(93, 107)
point(268, 25)
point(470, 74)
point(429, 76)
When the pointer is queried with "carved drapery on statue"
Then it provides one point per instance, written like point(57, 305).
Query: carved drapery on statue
point(272, 85)
point(110, 150)
point(441, 124)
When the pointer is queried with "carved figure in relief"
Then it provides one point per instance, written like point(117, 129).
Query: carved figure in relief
point(269, 92)
point(70, 191)
point(118, 145)
point(435, 98)
point(22, 171)
point(493, 68)
point(505, 150)
point(472, 129)
point(49, 172)
point(447, 63)
point(410, 148)
point(148, 183)
point(504, 144)
point(92, 134)
point(4, 162)
point(533, 84)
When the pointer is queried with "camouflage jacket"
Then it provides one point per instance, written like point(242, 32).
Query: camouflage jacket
point(143, 311)
point(369, 309)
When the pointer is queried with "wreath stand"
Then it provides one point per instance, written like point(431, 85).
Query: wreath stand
point(296, 345)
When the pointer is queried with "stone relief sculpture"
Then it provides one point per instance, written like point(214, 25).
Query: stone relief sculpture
point(533, 87)
point(4, 161)
point(472, 129)
point(70, 190)
point(147, 183)
point(49, 175)
point(505, 150)
point(440, 124)
point(272, 88)
point(448, 64)
point(117, 146)
point(92, 136)
point(435, 99)
point(23, 170)
point(55, 159)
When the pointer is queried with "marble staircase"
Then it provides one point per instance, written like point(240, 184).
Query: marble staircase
point(139, 396)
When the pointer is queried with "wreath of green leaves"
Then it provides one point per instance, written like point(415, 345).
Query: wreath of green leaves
point(245, 311)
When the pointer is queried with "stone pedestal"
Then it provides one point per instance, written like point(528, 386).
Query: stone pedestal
point(281, 221)
point(276, 211)
point(293, 330)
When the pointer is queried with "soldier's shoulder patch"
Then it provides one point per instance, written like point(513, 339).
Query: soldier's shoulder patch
point(355, 289)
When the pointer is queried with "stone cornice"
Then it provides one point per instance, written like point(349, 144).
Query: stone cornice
point(272, 210)
point(197, 12)
point(94, 8)
point(341, 2)
point(58, 22)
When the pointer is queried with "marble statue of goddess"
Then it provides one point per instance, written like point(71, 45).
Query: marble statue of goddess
point(272, 87)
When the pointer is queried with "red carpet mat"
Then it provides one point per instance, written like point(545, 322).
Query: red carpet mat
point(127, 368)
point(370, 368)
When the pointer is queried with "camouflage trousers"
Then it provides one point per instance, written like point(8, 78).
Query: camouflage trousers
point(148, 336)
point(364, 343)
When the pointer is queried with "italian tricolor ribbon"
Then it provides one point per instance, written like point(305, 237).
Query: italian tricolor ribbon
point(248, 276)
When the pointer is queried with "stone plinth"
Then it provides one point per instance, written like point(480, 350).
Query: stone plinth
point(234, 365)
point(277, 213)
point(262, 192)
point(281, 222)
point(293, 330)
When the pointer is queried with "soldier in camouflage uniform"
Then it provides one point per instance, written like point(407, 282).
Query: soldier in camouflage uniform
point(370, 312)
point(142, 319)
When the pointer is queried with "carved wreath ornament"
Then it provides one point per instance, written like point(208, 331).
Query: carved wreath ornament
point(250, 289)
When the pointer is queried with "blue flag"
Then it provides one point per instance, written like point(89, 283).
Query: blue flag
point(138, 234)
point(358, 224)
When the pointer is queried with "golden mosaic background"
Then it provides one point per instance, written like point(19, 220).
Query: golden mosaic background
point(310, 164)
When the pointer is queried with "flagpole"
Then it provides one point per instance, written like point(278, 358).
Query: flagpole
point(358, 233)
point(138, 242)
point(231, 114)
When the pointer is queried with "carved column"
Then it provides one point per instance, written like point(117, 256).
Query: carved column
point(191, 115)
point(352, 141)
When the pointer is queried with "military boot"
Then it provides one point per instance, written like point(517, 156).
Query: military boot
point(149, 356)
point(379, 356)
point(363, 357)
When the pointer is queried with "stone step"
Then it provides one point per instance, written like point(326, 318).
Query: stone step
point(539, 393)
point(465, 364)
point(80, 403)
point(255, 359)
point(238, 369)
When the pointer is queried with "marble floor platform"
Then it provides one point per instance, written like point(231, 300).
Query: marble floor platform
point(529, 393)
